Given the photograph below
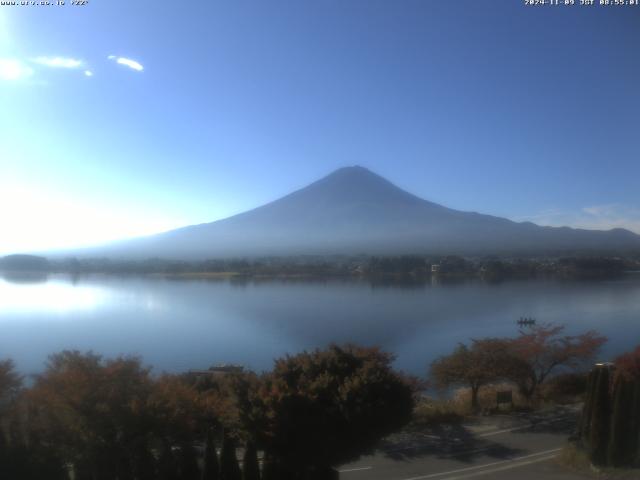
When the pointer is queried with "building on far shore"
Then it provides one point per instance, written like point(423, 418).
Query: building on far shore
point(218, 370)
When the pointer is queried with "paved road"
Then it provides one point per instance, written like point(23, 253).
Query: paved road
point(498, 447)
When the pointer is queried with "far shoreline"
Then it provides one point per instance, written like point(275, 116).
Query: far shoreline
point(392, 269)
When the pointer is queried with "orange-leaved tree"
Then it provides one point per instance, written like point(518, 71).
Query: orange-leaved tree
point(545, 349)
point(482, 362)
point(93, 411)
point(327, 407)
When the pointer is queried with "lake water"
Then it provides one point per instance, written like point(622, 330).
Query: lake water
point(176, 325)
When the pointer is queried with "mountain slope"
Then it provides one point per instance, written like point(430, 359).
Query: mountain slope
point(354, 210)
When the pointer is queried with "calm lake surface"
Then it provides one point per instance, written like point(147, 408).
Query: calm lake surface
point(176, 325)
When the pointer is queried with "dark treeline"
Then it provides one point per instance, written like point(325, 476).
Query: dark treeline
point(268, 266)
point(415, 266)
point(90, 418)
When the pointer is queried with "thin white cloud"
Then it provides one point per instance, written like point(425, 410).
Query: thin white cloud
point(127, 62)
point(12, 69)
point(607, 210)
point(593, 217)
point(58, 62)
point(88, 73)
point(130, 63)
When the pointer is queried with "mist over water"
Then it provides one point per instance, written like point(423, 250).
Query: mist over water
point(176, 325)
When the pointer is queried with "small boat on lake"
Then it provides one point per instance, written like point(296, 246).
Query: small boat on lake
point(525, 322)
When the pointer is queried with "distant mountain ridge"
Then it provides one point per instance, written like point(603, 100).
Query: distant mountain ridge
point(353, 211)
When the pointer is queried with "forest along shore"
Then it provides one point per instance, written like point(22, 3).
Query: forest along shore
point(405, 267)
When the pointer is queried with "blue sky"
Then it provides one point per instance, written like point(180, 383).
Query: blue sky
point(126, 118)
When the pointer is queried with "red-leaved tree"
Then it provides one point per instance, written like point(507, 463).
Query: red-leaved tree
point(628, 364)
point(545, 349)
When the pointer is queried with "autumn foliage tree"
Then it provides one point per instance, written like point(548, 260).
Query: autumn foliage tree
point(106, 417)
point(10, 381)
point(628, 365)
point(16, 461)
point(327, 407)
point(93, 411)
point(527, 360)
point(10, 384)
point(545, 349)
point(180, 412)
point(242, 410)
point(483, 362)
point(110, 419)
point(244, 415)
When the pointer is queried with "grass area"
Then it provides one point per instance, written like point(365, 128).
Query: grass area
point(575, 459)
point(456, 407)
point(430, 412)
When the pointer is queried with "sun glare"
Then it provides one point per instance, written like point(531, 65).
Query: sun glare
point(11, 69)
point(34, 220)
point(48, 297)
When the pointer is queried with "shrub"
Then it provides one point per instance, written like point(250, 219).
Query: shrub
point(565, 388)
point(487, 397)
point(348, 397)
point(431, 412)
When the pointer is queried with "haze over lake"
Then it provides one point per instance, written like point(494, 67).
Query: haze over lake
point(176, 325)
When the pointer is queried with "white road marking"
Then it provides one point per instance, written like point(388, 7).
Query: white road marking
point(463, 452)
point(357, 469)
point(443, 455)
point(487, 434)
point(506, 430)
point(476, 467)
point(500, 469)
